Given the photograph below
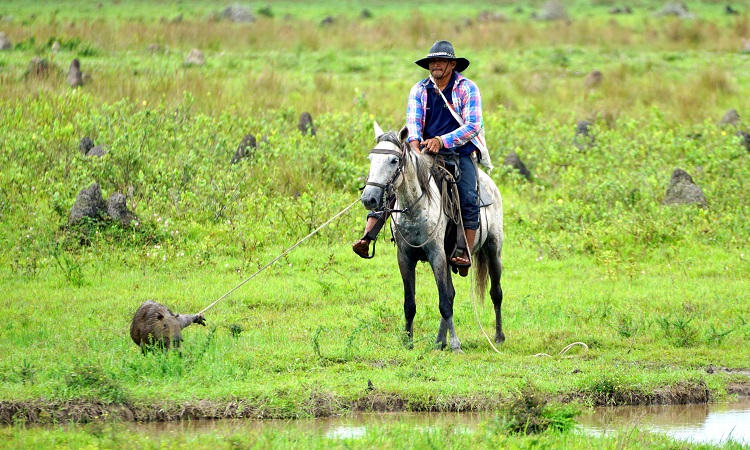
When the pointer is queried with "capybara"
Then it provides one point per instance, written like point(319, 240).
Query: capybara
point(155, 325)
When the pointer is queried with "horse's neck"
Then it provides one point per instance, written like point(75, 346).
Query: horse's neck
point(410, 192)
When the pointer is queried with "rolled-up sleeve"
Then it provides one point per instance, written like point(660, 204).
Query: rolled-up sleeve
point(415, 112)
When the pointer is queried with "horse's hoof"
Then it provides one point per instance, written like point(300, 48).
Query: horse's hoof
point(440, 346)
point(458, 350)
point(499, 339)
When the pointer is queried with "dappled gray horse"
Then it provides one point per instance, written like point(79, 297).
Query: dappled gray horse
point(419, 225)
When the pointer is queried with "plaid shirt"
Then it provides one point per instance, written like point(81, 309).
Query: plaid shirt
point(466, 102)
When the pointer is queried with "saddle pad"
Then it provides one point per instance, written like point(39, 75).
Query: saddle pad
point(485, 199)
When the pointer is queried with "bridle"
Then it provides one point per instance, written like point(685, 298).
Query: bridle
point(388, 187)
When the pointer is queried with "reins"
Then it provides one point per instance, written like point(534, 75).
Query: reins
point(406, 152)
point(451, 202)
point(388, 188)
point(448, 203)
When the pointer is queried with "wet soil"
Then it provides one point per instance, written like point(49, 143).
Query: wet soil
point(43, 411)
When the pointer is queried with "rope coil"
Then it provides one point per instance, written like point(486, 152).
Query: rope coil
point(476, 314)
point(565, 350)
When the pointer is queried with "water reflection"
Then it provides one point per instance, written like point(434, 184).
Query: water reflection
point(709, 423)
point(347, 427)
point(346, 432)
point(712, 423)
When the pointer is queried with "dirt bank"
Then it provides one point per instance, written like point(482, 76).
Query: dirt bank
point(41, 411)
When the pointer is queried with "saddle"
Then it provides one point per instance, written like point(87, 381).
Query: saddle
point(446, 172)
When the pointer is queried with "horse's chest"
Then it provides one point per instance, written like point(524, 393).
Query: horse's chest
point(420, 230)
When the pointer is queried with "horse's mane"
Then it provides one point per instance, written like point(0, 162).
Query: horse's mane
point(421, 165)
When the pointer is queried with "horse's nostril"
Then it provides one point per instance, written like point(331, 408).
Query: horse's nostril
point(370, 199)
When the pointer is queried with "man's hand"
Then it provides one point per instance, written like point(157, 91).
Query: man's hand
point(432, 145)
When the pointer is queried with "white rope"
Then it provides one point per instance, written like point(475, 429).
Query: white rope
point(430, 238)
point(280, 256)
point(476, 314)
point(565, 350)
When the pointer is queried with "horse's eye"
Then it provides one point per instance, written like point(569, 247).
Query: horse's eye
point(394, 161)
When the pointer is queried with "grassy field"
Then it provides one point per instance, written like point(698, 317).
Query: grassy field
point(658, 294)
point(691, 69)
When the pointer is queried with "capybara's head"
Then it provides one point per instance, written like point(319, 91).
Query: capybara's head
point(169, 330)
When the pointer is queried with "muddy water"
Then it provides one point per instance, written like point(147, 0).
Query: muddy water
point(712, 423)
point(350, 426)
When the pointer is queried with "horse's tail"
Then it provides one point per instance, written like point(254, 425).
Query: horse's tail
point(482, 272)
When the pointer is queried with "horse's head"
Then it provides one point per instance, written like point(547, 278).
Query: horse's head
point(386, 164)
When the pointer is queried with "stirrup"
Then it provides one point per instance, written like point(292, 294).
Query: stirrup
point(461, 268)
point(460, 253)
point(360, 252)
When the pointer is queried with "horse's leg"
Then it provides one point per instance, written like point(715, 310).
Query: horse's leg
point(446, 293)
point(447, 328)
point(407, 264)
point(494, 265)
point(441, 340)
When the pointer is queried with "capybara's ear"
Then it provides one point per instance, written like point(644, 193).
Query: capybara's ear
point(159, 316)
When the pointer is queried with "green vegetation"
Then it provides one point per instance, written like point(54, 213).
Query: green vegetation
point(691, 69)
point(659, 294)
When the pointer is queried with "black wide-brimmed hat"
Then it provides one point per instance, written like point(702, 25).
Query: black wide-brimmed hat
point(443, 50)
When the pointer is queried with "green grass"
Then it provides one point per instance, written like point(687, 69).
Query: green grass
point(323, 323)
point(644, 286)
point(658, 294)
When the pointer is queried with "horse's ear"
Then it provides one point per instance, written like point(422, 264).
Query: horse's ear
point(378, 131)
point(403, 134)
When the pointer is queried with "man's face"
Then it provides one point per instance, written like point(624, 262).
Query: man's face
point(440, 68)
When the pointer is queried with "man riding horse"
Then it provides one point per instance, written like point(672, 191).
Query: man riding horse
point(444, 117)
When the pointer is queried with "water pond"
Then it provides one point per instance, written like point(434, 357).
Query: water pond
point(705, 423)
